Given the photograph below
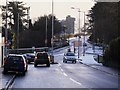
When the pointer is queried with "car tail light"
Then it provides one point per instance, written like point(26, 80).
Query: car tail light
point(35, 58)
point(6, 62)
point(22, 62)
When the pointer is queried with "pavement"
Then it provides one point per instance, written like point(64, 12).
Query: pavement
point(88, 59)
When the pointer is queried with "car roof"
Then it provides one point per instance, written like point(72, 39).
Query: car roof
point(41, 52)
point(69, 52)
point(15, 55)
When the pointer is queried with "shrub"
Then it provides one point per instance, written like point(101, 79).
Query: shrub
point(111, 56)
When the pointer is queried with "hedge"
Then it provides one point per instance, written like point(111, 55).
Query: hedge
point(112, 54)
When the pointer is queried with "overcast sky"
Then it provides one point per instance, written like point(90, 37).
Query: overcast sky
point(62, 8)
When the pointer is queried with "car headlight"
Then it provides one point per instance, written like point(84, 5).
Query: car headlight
point(65, 57)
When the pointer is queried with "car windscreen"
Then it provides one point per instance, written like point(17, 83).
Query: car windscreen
point(70, 54)
point(15, 58)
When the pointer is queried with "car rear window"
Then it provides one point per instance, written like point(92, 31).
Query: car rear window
point(42, 56)
point(15, 58)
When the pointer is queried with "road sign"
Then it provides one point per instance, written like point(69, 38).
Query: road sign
point(77, 43)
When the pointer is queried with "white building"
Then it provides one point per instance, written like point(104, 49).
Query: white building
point(69, 25)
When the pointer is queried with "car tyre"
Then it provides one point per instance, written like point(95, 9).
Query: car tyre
point(35, 65)
point(75, 61)
point(66, 61)
point(48, 64)
point(26, 69)
point(5, 71)
point(23, 73)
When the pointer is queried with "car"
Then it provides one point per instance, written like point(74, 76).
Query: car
point(41, 58)
point(15, 63)
point(69, 56)
point(84, 44)
point(51, 58)
point(30, 57)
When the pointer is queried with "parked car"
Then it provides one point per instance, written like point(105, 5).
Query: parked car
point(41, 58)
point(51, 58)
point(16, 63)
point(69, 56)
point(30, 57)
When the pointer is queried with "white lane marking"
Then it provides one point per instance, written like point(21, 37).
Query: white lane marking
point(61, 69)
point(59, 64)
point(65, 74)
point(75, 81)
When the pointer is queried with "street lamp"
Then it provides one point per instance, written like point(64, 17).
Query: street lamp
point(6, 32)
point(84, 37)
point(78, 29)
point(46, 32)
point(52, 26)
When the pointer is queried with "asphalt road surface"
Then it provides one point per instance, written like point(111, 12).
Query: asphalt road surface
point(65, 75)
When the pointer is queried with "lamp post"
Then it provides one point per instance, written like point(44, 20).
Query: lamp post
point(18, 31)
point(46, 32)
point(84, 37)
point(78, 30)
point(6, 32)
point(52, 26)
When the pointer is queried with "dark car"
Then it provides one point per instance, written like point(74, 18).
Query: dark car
point(84, 44)
point(16, 63)
point(30, 57)
point(41, 58)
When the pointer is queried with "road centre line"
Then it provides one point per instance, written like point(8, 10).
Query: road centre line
point(75, 81)
point(65, 74)
point(59, 64)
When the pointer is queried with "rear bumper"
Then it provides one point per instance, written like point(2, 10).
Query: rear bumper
point(41, 61)
point(70, 59)
point(11, 68)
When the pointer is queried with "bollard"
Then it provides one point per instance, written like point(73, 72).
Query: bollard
point(98, 58)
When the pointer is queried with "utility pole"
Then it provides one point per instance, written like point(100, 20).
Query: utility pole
point(52, 26)
point(84, 37)
point(78, 30)
point(79, 34)
point(18, 32)
point(46, 32)
point(6, 32)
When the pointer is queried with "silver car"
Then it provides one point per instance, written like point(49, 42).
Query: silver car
point(69, 56)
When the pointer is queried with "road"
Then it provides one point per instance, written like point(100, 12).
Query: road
point(65, 75)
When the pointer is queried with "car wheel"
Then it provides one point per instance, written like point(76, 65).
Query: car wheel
point(5, 71)
point(48, 64)
point(23, 73)
point(26, 69)
point(66, 61)
point(35, 65)
point(72, 61)
point(75, 61)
